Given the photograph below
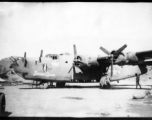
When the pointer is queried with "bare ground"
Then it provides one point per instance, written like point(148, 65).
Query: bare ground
point(78, 100)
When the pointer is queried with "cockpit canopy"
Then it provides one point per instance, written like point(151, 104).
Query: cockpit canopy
point(53, 56)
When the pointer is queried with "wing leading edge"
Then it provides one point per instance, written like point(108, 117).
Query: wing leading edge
point(144, 54)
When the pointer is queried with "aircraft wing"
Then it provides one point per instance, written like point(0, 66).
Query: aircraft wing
point(144, 57)
point(144, 54)
point(122, 78)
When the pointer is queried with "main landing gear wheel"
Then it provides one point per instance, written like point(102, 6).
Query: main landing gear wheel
point(44, 86)
point(105, 83)
point(2, 103)
point(60, 84)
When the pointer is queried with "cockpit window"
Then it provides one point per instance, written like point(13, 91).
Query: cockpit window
point(53, 56)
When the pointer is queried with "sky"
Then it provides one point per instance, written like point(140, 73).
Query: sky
point(55, 27)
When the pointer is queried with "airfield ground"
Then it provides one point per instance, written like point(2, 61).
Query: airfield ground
point(78, 100)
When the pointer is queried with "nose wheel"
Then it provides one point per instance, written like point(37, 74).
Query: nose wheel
point(43, 85)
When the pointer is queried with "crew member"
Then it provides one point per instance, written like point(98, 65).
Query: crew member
point(137, 81)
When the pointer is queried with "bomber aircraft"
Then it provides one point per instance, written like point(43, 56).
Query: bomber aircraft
point(63, 68)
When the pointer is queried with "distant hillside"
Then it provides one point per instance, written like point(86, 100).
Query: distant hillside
point(8, 73)
point(5, 67)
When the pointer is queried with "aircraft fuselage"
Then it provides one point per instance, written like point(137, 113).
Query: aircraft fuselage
point(58, 69)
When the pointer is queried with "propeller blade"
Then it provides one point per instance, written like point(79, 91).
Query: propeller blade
point(70, 69)
point(120, 49)
point(12, 59)
point(41, 53)
point(105, 51)
point(39, 59)
point(24, 55)
point(25, 61)
point(75, 51)
point(111, 68)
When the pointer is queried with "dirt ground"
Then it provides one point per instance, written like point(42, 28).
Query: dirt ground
point(78, 100)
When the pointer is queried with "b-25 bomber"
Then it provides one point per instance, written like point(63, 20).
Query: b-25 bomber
point(64, 68)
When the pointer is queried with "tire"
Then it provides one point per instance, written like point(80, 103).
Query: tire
point(108, 86)
point(98, 79)
point(46, 85)
point(2, 103)
point(60, 84)
point(43, 86)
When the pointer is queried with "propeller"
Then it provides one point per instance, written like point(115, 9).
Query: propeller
point(121, 49)
point(113, 55)
point(75, 52)
point(25, 61)
point(19, 58)
point(14, 60)
point(111, 65)
point(24, 55)
point(75, 58)
point(71, 68)
point(105, 51)
point(41, 54)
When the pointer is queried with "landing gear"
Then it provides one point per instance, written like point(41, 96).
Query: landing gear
point(44, 85)
point(60, 84)
point(98, 79)
point(105, 83)
point(2, 103)
point(82, 80)
point(51, 83)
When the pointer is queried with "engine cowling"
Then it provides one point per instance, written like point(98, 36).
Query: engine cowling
point(90, 62)
point(128, 58)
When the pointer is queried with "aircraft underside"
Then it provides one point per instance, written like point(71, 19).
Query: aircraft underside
point(46, 84)
point(91, 76)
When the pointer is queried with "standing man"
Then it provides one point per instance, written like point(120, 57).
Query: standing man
point(137, 81)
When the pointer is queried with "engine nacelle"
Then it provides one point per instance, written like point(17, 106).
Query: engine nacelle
point(128, 58)
point(90, 61)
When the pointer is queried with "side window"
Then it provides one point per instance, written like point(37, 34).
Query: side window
point(45, 67)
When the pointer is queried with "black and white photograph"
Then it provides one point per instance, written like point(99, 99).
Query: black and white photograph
point(75, 59)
